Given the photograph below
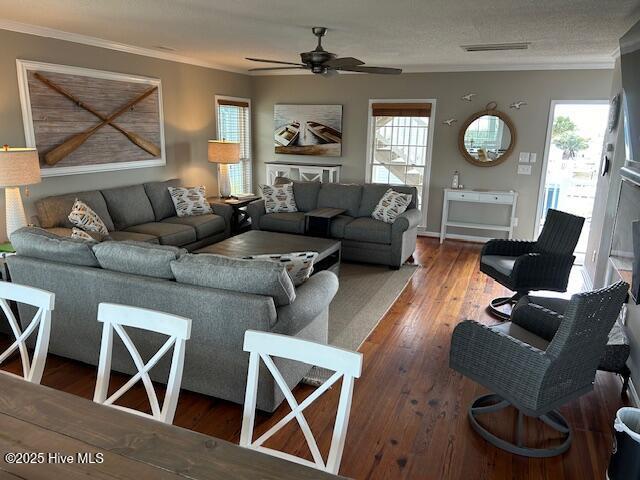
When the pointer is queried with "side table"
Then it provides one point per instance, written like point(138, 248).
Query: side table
point(240, 221)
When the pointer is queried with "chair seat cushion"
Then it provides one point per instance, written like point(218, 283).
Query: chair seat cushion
point(365, 229)
point(167, 233)
point(120, 236)
point(501, 263)
point(338, 225)
point(289, 222)
point(519, 333)
point(205, 225)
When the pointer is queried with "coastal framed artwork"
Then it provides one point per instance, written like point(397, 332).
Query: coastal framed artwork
point(308, 130)
point(83, 120)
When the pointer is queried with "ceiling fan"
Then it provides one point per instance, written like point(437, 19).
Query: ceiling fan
point(321, 62)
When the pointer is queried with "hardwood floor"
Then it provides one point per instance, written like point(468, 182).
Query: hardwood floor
point(408, 418)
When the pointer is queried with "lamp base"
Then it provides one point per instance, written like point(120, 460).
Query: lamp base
point(16, 217)
point(224, 184)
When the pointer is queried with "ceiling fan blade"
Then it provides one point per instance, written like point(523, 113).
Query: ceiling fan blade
point(274, 61)
point(381, 70)
point(343, 62)
point(275, 68)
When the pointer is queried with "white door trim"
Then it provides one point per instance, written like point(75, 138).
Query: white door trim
point(547, 148)
point(428, 160)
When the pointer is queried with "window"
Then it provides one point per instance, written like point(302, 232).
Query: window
point(234, 124)
point(399, 145)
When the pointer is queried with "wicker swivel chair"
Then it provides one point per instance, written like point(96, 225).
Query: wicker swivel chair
point(531, 374)
point(523, 266)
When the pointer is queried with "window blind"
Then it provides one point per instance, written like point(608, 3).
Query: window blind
point(233, 125)
point(401, 109)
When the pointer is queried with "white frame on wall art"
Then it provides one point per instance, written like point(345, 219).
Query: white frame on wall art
point(23, 66)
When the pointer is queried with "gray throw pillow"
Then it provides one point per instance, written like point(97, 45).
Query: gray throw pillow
point(38, 243)
point(259, 277)
point(138, 258)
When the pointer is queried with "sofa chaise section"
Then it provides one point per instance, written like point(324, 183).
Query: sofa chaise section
point(142, 213)
point(364, 239)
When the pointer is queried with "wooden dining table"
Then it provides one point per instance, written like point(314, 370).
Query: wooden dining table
point(57, 435)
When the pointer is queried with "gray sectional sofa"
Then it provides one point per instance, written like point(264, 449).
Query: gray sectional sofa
point(168, 279)
point(363, 238)
point(142, 213)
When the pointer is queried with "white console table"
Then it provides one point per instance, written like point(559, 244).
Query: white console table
point(478, 196)
point(307, 172)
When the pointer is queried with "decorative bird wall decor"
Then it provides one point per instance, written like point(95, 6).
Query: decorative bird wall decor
point(518, 105)
point(467, 97)
point(450, 122)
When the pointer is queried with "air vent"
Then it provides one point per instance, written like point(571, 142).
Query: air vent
point(495, 47)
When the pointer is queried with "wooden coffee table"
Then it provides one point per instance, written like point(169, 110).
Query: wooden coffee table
point(260, 242)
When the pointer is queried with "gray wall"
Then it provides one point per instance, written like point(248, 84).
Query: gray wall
point(538, 88)
point(188, 97)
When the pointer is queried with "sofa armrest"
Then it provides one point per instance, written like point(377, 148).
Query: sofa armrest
point(225, 211)
point(510, 248)
point(255, 210)
point(312, 298)
point(407, 220)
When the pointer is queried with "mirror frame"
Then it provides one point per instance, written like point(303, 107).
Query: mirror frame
point(490, 109)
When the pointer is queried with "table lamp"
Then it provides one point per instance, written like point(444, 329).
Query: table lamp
point(18, 167)
point(224, 153)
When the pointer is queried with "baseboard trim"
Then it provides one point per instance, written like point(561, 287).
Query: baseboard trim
point(455, 236)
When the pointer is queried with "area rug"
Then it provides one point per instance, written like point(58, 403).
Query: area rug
point(366, 293)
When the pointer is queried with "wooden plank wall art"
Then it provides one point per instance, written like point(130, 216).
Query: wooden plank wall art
point(83, 120)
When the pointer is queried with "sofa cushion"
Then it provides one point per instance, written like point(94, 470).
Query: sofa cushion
point(336, 195)
point(338, 225)
point(306, 195)
point(365, 229)
point(288, 222)
point(500, 263)
point(373, 192)
point(138, 258)
point(38, 243)
point(120, 236)
point(160, 198)
point(54, 211)
point(167, 233)
point(205, 225)
point(259, 277)
point(128, 206)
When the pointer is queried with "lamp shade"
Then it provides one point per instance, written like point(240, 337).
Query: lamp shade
point(221, 151)
point(19, 166)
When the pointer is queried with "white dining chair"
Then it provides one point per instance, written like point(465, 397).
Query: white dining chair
point(344, 363)
point(44, 302)
point(178, 329)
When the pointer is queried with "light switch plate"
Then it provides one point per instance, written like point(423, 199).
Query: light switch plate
point(524, 157)
point(524, 169)
point(532, 157)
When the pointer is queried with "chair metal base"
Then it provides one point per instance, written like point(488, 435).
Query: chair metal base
point(493, 309)
point(492, 403)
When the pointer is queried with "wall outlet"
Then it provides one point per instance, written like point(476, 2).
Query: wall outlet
point(524, 169)
point(532, 157)
point(524, 157)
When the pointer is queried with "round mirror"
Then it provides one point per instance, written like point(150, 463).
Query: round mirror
point(487, 138)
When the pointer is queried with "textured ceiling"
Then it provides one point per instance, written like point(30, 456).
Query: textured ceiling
point(417, 35)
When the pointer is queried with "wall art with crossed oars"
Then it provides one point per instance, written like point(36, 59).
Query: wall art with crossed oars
point(89, 120)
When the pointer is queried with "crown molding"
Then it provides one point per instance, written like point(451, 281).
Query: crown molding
point(173, 57)
point(108, 44)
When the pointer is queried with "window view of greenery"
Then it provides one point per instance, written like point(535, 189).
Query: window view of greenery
point(577, 135)
point(400, 151)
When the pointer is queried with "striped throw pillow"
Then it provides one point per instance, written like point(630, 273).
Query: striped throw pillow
point(190, 202)
point(83, 217)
